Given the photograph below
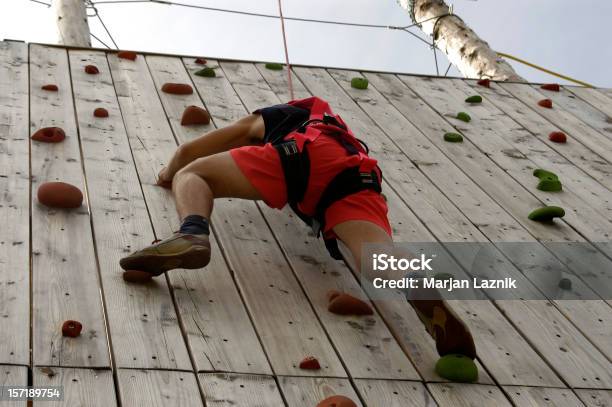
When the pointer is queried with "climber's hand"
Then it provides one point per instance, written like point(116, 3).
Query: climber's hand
point(163, 179)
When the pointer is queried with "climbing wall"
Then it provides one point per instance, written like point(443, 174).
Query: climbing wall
point(84, 133)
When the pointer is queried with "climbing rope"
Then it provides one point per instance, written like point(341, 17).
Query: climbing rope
point(289, 82)
point(548, 71)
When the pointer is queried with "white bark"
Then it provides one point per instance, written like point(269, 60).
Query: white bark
point(464, 48)
point(72, 26)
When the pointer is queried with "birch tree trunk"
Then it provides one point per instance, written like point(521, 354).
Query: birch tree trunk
point(72, 26)
point(463, 47)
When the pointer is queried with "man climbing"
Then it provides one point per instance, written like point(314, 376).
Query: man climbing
point(298, 153)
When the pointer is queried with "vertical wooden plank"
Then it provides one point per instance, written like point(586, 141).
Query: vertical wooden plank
point(65, 278)
point(393, 393)
point(15, 205)
point(306, 391)
point(220, 334)
point(467, 395)
point(143, 325)
point(595, 398)
point(380, 355)
point(542, 396)
point(82, 387)
point(158, 388)
point(231, 390)
point(13, 376)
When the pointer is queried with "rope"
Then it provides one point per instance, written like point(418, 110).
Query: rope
point(99, 40)
point(290, 83)
point(548, 71)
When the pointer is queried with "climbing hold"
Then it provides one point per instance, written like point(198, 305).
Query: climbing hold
point(137, 276)
point(131, 55)
point(457, 368)
point(92, 69)
point(463, 116)
point(331, 294)
point(549, 181)
point(453, 137)
point(337, 401)
point(274, 66)
point(485, 82)
point(100, 112)
point(557, 137)
point(71, 329)
point(195, 115)
point(443, 276)
point(310, 363)
point(551, 86)
point(177, 88)
point(200, 61)
point(547, 103)
point(59, 195)
point(50, 88)
point(49, 135)
point(565, 284)
point(345, 304)
point(547, 213)
point(474, 99)
point(359, 83)
point(206, 72)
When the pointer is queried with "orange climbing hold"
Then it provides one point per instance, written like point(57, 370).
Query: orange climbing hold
point(131, 55)
point(200, 61)
point(551, 86)
point(310, 363)
point(49, 135)
point(137, 276)
point(92, 69)
point(100, 112)
point(557, 137)
point(71, 329)
point(547, 103)
point(345, 304)
point(195, 115)
point(60, 195)
point(337, 401)
point(177, 88)
point(485, 82)
point(50, 88)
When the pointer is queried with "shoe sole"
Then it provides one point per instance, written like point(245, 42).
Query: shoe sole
point(194, 257)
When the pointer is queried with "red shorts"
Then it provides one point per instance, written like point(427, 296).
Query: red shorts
point(262, 167)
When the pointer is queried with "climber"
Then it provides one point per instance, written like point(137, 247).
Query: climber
point(298, 153)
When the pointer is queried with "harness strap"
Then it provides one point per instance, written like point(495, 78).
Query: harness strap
point(296, 168)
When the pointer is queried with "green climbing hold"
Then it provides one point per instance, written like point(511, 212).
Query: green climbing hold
point(565, 284)
point(457, 368)
point(453, 137)
point(474, 99)
point(274, 66)
point(547, 213)
point(463, 116)
point(549, 181)
point(206, 72)
point(443, 276)
point(359, 83)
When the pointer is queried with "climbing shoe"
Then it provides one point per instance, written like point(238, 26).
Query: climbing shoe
point(178, 251)
point(451, 334)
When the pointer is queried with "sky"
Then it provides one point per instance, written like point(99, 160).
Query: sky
point(562, 35)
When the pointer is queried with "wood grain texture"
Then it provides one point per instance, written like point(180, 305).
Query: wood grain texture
point(65, 276)
point(391, 393)
point(158, 388)
point(542, 396)
point(306, 391)
point(597, 98)
point(13, 376)
point(595, 398)
point(231, 390)
point(142, 319)
point(82, 387)
point(467, 395)
point(15, 206)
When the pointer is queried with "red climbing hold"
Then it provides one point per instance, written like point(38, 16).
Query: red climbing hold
point(547, 103)
point(310, 363)
point(345, 304)
point(177, 88)
point(195, 115)
point(71, 329)
point(131, 55)
point(49, 135)
point(557, 137)
point(551, 86)
point(92, 69)
point(337, 401)
point(485, 82)
point(200, 61)
point(50, 88)
point(101, 112)
point(60, 195)
point(137, 276)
